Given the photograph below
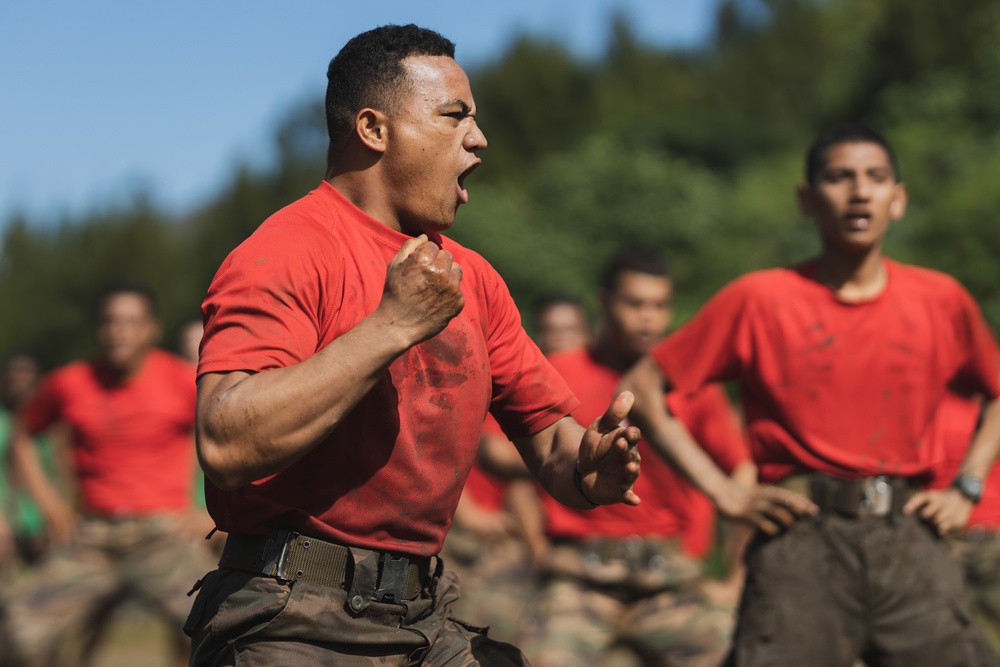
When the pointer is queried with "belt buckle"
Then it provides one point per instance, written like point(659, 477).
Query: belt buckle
point(392, 578)
point(876, 498)
point(275, 554)
point(630, 548)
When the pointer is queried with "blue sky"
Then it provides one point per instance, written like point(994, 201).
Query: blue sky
point(98, 98)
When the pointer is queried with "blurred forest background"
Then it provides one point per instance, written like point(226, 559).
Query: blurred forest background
point(694, 151)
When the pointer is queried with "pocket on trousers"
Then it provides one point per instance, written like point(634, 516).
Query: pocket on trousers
point(203, 588)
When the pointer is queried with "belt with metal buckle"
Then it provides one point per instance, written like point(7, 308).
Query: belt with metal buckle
point(633, 549)
point(290, 556)
point(879, 496)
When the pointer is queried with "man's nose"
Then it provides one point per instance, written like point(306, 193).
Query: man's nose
point(475, 140)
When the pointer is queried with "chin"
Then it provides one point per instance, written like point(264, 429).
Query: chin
point(418, 227)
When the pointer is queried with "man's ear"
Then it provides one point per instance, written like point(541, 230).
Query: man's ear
point(806, 198)
point(897, 207)
point(372, 129)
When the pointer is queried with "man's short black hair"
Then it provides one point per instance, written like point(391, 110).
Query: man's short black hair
point(368, 72)
point(138, 289)
point(637, 259)
point(845, 133)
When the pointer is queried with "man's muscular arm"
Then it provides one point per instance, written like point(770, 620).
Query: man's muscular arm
point(769, 508)
point(250, 426)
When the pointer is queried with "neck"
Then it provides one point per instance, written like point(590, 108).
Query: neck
point(119, 374)
point(853, 277)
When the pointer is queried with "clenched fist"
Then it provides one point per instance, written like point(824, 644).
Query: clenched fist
point(422, 290)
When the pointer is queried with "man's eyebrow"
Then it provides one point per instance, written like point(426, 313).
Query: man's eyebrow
point(462, 104)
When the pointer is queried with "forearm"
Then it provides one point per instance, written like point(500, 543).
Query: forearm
point(666, 434)
point(551, 456)
point(672, 441)
point(27, 468)
point(254, 425)
point(529, 516)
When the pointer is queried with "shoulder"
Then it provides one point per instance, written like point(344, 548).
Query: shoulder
point(298, 227)
point(937, 290)
point(765, 279)
point(66, 381)
point(921, 277)
point(763, 285)
point(472, 262)
point(71, 373)
point(479, 278)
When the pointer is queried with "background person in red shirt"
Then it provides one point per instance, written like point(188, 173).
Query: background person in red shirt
point(617, 575)
point(560, 323)
point(842, 362)
point(131, 413)
point(351, 353)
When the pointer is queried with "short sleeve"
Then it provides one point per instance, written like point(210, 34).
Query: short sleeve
point(979, 369)
point(713, 346)
point(528, 394)
point(263, 308)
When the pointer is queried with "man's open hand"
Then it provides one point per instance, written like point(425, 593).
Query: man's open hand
point(945, 509)
point(609, 459)
point(770, 509)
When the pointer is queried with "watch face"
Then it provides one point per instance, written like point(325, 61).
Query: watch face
point(970, 487)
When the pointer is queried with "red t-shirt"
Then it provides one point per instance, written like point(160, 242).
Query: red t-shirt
point(848, 389)
point(666, 496)
point(389, 477)
point(954, 426)
point(132, 447)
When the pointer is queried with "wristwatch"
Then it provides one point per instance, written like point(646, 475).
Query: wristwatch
point(970, 487)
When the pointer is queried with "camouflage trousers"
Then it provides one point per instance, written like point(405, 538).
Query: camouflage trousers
point(979, 553)
point(496, 577)
point(244, 619)
point(832, 590)
point(108, 560)
point(648, 601)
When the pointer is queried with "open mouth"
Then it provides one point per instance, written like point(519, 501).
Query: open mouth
point(859, 222)
point(462, 192)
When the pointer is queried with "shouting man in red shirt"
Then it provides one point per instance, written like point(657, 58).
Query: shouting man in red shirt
point(351, 353)
point(842, 362)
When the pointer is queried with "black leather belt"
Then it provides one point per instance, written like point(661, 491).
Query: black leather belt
point(290, 556)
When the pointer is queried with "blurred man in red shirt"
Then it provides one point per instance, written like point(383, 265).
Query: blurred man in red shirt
point(131, 413)
point(624, 576)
